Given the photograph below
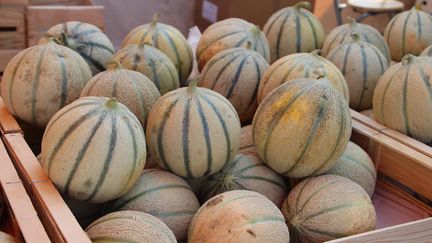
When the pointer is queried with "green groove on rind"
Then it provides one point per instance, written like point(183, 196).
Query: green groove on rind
point(405, 103)
point(364, 74)
point(326, 233)
point(267, 31)
point(278, 40)
point(108, 239)
point(185, 137)
point(335, 208)
point(218, 39)
point(353, 160)
point(298, 34)
point(263, 179)
point(404, 32)
point(172, 214)
point(35, 84)
point(255, 92)
point(177, 55)
point(385, 92)
point(419, 25)
point(296, 207)
point(64, 81)
point(264, 219)
point(316, 191)
point(307, 16)
point(237, 76)
point(207, 138)
point(226, 65)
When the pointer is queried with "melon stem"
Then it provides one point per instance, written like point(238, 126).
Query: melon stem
point(117, 65)
point(154, 20)
point(248, 45)
point(303, 4)
point(144, 43)
point(316, 52)
point(111, 104)
point(193, 85)
point(352, 21)
point(408, 59)
point(255, 30)
point(355, 36)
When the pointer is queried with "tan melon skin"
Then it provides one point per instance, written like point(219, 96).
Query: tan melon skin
point(332, 204)
point(122, 171)
point(153, 63)
point(171, 200)
point(427, 52)
point(129, 226)
point(6, 238)
point(168, 125)
point(211, 41)
point(254, 176)
point(247, 145)
point(21, 74)
point(301, 65)
point(415, 42)
point(285, 136)
point(363, 67)
point(76, 39)
point(402, 100)
point(356, 165)
point(130, 88)
point(238, 216)
point(237, 81)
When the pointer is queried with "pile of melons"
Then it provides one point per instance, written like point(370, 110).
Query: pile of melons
point(208, 179)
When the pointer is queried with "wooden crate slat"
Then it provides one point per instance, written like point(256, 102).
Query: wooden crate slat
point(12, 28)
point(8, 123)
point(14, 3)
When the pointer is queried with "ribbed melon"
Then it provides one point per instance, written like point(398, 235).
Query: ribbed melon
point(427, 52)
point(328, 207)
point(402, 98)
point(230, 33)
point(169, 41)
point(302, 128)
point(235, 73)
point(301, 65)
point(164, 195)
point(94, 149)
point(408, 33)
point(246, 172)
point(238, 216)
point(247, 145)
point(367, 33)
point(6, 238)
point(152, 63)
point(130, 226)
point(293, 30)
point(42, 79)
point(362, 64)
point(130, 88)
point(86, 39)
point(193, 131)
point(356, 165)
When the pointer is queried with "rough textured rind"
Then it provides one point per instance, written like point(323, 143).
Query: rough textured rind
point(164, 195)
point(302, 128)
point(367, 33)
point(193, 132)
point(301, 65)
point(94, 149)
point(130, 88)
point(130, 226)
point(356, 165)
point(230, 33)
point(408, 33)
point(151, 62)
point(402, 98)
point(169, 41)
point(293, 30)
point(328, 207)
point(42, 79)
point(362, 64)
point(238, 216)
point(86, 39)
point(246, 172)
point(236, 73)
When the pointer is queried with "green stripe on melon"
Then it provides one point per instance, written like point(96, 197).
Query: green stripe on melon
point(42, 79)
point(235, 73)
point(193, 131)
point(169, 41)
point(302, 128)
point(94, 149)
point(293, 30)
point(362, 64)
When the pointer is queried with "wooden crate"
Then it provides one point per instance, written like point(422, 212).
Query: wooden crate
point(12, 27)
point(41, 18)
point(20, 218)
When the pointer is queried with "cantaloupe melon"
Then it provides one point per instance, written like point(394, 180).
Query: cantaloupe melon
point(235, 73)
point(408, 33)
point(328, 207)
point(247, 145)
point(302, 128)
point(238, 216)
point(6, 238)
point(130, 88)
point(94, 149)
point(168, 40)
point(356, 165)
point(42, 79)
point(230, 33)
point(246, 172)
point(130, 226)
point(164, 195)
point(362, 64)
point(86, 39)
point(367, 33)
point(292, 30)
point(301, 65)
point(193, 131)
point(152, 63)
point(402, 98)
point(427, 52)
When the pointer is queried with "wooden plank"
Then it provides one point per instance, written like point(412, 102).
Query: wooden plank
point(41, 18)
point(8, 123)
point(4, 3)
point(57, 217)
point(12, 28)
